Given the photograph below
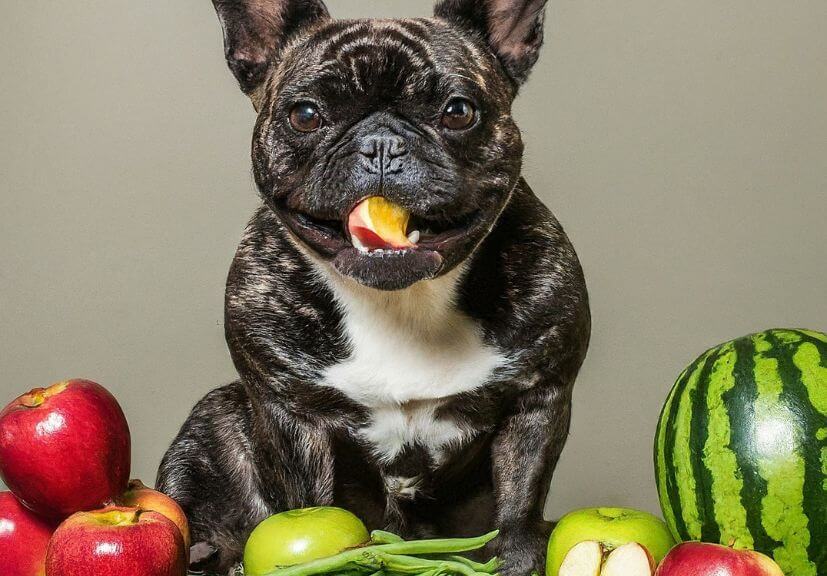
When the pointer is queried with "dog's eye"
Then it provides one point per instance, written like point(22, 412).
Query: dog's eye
point(459, 113)
point(305, 117)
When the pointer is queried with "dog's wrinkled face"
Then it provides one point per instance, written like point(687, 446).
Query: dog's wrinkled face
point(416, 112)
point(406, 110)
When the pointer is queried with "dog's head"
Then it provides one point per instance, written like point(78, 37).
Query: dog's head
point(414, 112)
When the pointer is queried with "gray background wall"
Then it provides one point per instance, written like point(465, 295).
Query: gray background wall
point(682, 144)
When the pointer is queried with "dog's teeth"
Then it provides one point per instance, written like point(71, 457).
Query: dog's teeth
point(382, 252)
point(414, 237)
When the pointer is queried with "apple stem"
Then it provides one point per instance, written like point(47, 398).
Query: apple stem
point(33, 399)
point(37, 396)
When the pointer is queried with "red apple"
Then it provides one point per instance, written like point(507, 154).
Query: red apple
point(64, 448)
point(116, 541)
point(140, 496)
point(23, 538)
point(702, 559)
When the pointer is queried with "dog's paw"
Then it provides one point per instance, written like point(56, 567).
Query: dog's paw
point(208, 560)
point(201, 552)
point(522, 552)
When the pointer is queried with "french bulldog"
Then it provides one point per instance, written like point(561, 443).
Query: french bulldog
point(406, 317)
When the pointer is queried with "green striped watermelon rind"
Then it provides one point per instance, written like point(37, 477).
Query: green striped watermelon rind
point(774, 498)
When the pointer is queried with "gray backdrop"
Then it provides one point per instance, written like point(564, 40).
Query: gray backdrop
point(682, 144)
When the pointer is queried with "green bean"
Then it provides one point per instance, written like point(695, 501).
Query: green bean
point(437, 545)
point(434, 572)
point(489, 567)
point(383, 537)
point(351, 570)
point(414, 565)
point(402, 563)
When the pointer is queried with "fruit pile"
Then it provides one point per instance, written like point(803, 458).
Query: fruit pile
point(72, 511)
point(622, 542)
point(741, 469)
point(741, 449)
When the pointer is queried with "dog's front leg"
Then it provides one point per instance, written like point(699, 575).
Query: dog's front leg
point(238, 458)
point(524, 454)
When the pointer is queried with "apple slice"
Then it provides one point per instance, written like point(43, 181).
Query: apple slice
point(377, 223)
point(584, 559)
point(629, 560)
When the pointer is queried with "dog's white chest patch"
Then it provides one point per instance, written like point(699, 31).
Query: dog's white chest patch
point(392, 427)
point(409, 345)
point(409, 349)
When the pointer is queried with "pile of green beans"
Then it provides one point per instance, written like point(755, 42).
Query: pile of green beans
point(389, 555)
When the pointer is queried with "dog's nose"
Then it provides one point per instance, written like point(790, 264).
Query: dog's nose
point(383, 152)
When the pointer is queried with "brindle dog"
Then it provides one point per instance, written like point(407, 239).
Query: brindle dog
point(427, 389)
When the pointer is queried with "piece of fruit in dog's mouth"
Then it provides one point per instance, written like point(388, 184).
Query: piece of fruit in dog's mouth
point(376, 223)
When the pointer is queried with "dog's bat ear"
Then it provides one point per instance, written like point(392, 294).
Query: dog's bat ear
point(513, 29)
point(255, 31)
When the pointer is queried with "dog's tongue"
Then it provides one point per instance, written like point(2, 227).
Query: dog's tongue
point(376, 223)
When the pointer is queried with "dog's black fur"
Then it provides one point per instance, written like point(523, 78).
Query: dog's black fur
point(280, 437)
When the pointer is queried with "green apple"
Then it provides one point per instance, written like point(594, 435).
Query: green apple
point(610, 526)
point(298, 536)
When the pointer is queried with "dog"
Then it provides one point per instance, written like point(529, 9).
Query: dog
point(422, 380)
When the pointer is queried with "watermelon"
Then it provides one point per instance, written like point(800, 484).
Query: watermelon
point(741, 449)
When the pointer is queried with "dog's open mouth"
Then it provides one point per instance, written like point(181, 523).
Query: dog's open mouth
point(378, 227)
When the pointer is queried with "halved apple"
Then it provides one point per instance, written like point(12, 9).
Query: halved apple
point(629, 560)
point(592, 558)
point(584, 559)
